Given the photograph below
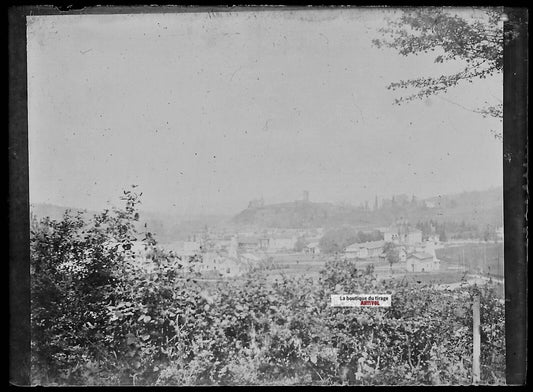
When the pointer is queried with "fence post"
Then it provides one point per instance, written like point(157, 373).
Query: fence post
point(476, 373)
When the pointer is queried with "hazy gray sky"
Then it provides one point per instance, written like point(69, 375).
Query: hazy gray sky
point(207, 111)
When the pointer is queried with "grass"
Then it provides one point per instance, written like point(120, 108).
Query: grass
point(450, 270)
point(486, 258)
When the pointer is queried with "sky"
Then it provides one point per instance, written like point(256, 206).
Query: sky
point(207, 111)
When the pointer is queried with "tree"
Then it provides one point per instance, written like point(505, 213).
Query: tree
point(442, 234)
point(337, 239)
point(368, 236)
point(489, 233)
point(300, 244)
point(476, 42)
point(391, 253)
point(75, 267)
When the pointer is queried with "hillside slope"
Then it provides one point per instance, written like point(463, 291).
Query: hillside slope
point(298, 214)
point(479, 208)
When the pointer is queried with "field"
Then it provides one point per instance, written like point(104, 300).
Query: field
point(450, 274)
point(296, 264)
point(484, 258)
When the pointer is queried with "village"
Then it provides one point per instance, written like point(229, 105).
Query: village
point(221, 254)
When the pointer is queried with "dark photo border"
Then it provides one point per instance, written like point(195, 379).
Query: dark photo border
point(515, 165)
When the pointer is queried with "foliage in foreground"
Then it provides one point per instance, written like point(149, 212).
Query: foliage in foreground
point(99, 316)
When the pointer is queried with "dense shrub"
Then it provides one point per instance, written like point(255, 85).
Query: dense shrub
point(101, 316)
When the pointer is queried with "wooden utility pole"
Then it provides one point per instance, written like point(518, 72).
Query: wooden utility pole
point(484, 269)
point(476, 373)
point(498, 271)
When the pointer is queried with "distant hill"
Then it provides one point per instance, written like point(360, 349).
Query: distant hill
point(170, 228)
point(300, 214)
point(41, 210)
point(479, 208)
point(166, 227)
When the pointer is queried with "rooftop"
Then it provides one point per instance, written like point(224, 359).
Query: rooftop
point(421, 255)
point(248, 240)
point(367, 245)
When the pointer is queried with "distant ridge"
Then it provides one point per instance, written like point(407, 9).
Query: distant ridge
point(167, 227)
point(478, 207)
point(297, 214)
point(40, 210)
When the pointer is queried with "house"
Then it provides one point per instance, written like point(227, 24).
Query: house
point(374, 248)
point(421, 262)
point(352, 251)
point(264, 243)
point(279, 243)
point(364, 250)
point(433, 238)
point(313, 248)
point(221, 244)
point(233, 267)
point(401, 233)
point(248, 243)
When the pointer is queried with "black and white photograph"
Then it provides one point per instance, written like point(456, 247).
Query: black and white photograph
point(267, 196)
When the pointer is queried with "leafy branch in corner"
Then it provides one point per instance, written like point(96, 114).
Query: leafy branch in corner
point(478, 43)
